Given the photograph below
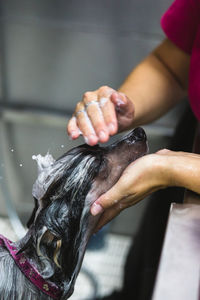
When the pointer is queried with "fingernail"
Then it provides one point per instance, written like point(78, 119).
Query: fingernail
point(102, 135)
point(73, 134)
point(96, 209)
point(111, 128)
point(120, 102)
point(91, 139)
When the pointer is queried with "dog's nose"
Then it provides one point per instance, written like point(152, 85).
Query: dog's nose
point(140, 134)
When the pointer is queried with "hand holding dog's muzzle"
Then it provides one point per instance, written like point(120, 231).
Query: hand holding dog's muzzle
point(142, 177)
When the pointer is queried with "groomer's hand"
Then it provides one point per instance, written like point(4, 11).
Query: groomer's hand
point(142, 177)
point(100, 114)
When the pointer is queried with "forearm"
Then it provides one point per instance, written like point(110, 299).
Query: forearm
point(152, 88)
point(158, 83)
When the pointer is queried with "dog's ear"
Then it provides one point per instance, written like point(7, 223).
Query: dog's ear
point(44, 201)
point(48, 245)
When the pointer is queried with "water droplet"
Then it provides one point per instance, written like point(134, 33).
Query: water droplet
point(12, 150)
point(62, 146)
point(20, 165)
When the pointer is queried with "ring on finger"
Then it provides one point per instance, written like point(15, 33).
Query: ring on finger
point(90, 103)
point(79, 111)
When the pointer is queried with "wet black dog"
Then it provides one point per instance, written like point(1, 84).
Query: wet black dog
point(46, 262)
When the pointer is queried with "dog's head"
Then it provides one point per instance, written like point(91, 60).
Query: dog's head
point(64, 191)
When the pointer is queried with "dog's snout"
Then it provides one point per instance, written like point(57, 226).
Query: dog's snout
point(140, 134)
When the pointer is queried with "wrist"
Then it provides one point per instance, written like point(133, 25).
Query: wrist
point(156, 171)
point(166, 171)
point(181, 169)
point(186, 171)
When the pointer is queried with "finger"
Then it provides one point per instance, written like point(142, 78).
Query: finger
point(90, 100)
point(72, 128)
point(107, 200)
point(120, 101)
point(109, 114)
point(108, 109)
point(98, 123)
point(163, 151)
point(124, 109)
point(85, 125)
point(102, 113)
point(89, 134)
point(107, 216)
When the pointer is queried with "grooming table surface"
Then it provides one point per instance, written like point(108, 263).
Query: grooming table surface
point(178, 276)
point(105, 264)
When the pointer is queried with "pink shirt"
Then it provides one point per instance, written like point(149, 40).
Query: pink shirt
point(181, 24)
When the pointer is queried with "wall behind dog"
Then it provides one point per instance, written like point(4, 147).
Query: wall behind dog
point(51, 53)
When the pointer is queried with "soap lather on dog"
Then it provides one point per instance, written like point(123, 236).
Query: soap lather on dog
point(61, 223)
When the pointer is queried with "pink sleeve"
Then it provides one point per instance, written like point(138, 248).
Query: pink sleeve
point(180, 23)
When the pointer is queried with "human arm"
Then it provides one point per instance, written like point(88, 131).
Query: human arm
point(158, 83)
point(151, 89)
point(146, 175)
